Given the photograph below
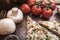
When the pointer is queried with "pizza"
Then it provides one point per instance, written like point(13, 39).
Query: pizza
point(34, 30)
point(37, 32)
point(56, 1)
point(52, 25)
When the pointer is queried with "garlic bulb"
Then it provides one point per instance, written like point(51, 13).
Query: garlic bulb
point(7, 26)
point(15, 14)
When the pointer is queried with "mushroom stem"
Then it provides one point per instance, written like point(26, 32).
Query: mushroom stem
point(14, 11)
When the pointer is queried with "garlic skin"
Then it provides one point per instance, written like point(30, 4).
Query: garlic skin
point(7, 26)
point(15, 14)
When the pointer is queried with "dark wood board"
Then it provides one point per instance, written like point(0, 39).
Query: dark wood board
point(21, 27)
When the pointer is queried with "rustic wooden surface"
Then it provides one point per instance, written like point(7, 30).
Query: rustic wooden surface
point(21, 27)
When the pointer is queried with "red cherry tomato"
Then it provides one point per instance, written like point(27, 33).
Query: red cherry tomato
point(30, 2)
point(53, 5)
point(25, 8)
point(47, 13)
point(36, 10)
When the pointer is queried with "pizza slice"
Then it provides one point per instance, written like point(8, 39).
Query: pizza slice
point(37, 32)
point(34, 30)
point(53, 26)
point(50, 35)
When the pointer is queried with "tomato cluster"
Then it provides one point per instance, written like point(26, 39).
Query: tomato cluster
point(39, 8)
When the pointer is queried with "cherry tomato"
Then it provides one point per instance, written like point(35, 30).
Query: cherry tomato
point(53, 6)
point(30, 2)
point(25, 8)
point(47, 13)
point(36, 10)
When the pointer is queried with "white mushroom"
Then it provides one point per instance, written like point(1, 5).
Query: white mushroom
point(7, 26)
point(15, 14)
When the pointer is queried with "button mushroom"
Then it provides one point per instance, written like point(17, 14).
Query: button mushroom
point(7, 26)
point(15, 14)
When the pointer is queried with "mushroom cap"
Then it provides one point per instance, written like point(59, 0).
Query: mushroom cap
point(7, 26)
point(17, 18)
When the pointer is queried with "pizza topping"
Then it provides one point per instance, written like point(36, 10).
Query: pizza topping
point(55, 26)
point(37, 32)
